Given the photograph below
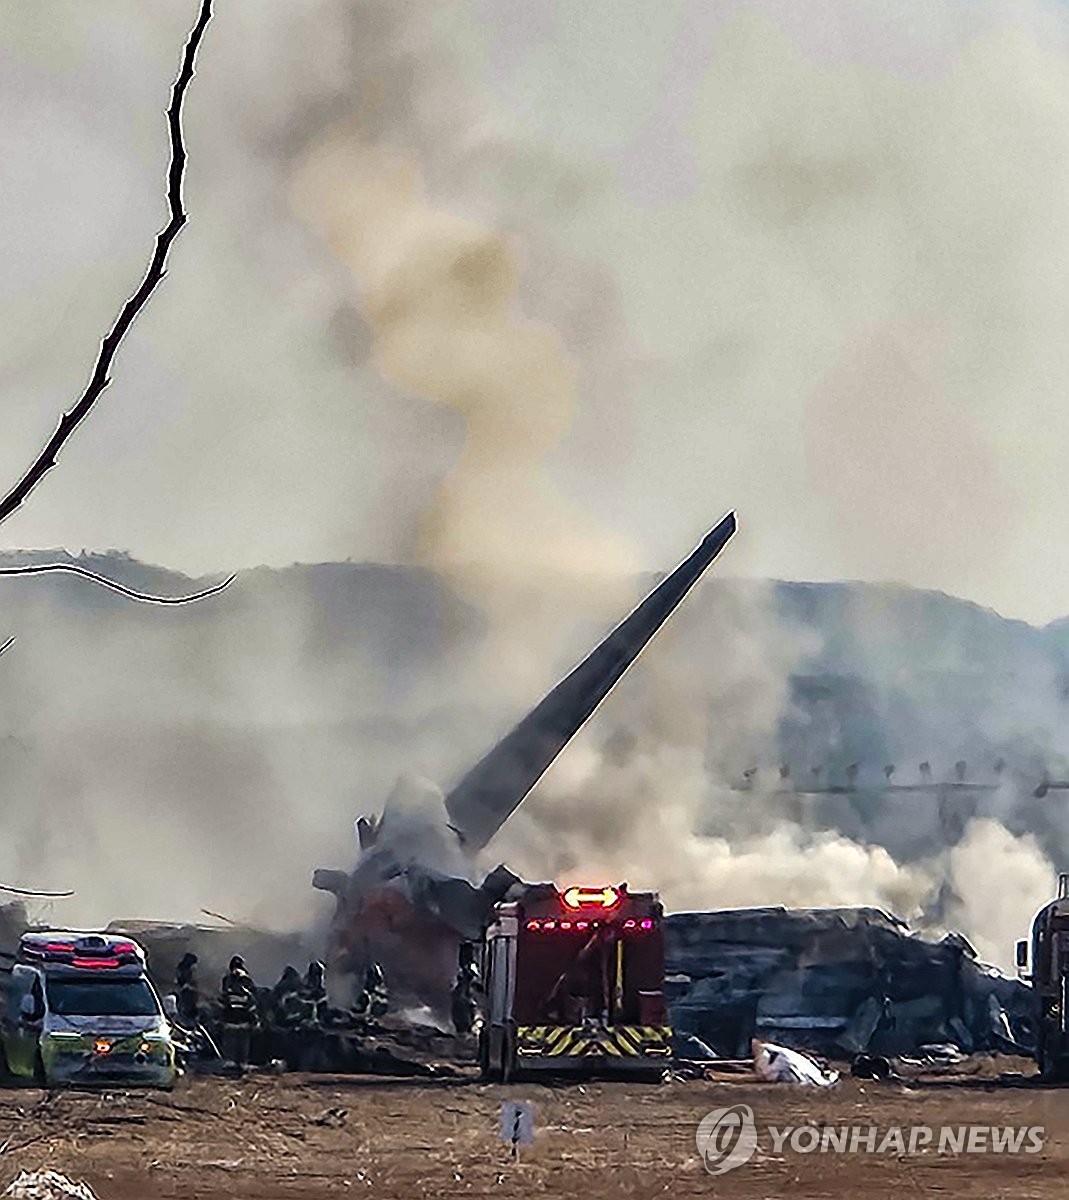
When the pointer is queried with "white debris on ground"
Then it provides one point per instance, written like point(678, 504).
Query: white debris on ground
point(779, 1064)
point(47, 1185)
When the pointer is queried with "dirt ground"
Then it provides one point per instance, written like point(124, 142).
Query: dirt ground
point(301, 1136)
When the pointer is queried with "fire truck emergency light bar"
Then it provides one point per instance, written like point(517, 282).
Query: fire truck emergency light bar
point(577, 897)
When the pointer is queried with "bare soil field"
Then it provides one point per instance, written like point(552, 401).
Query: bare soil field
point(302, 1136)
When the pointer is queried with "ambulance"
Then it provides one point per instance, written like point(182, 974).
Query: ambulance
point(79, 1009)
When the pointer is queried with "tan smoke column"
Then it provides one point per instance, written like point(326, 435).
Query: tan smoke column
point(439, 297)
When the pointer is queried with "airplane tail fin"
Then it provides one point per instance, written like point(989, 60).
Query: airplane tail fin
point(488, 794)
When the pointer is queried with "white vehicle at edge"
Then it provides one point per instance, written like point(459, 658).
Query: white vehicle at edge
point(80, 1009)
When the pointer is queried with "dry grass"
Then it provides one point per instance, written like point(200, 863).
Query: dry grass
point(268, 1137)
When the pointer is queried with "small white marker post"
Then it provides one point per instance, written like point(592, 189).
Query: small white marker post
point(517, 1125)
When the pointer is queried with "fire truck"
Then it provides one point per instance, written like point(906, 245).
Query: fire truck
point(1050, 979)
point(574, 983)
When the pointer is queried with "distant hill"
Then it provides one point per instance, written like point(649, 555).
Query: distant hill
point(164, 760)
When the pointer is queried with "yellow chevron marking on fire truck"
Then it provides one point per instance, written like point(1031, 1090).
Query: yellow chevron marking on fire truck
point(616, 1041)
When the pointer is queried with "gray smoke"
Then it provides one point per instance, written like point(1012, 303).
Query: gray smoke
point(809, 268)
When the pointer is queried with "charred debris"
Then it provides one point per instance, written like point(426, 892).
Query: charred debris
point(839, 982)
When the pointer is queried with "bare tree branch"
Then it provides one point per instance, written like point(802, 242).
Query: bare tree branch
point(157, 268)
point(130, 593)
point(218, 916)
point(17, 891)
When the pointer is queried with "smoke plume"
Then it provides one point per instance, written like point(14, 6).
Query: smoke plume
point(439, 297)
point(524, 297)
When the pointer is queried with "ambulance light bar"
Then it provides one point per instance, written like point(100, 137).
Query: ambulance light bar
point(92, 951)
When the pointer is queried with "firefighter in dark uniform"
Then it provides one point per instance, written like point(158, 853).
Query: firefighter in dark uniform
point(315, 990)
point(185, 979)
point(238, 1010)
point(288, 1006)
point(467, 991)
point(292, 1018)
point(374, 999)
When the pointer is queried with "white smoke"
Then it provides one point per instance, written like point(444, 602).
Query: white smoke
point(811, 268)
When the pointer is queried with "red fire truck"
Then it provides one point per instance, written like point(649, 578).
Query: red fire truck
point(574, 982)
point(1050, 979)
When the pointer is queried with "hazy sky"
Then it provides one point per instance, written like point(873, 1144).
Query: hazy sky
point(808, 260)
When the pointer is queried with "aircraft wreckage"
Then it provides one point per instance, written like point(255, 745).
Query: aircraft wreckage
point(408, 902)
point(839, 981)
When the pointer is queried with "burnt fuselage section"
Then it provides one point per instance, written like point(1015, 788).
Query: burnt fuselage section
point(409, 900)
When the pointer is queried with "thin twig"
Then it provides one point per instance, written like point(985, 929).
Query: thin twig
point(17, 891)
point(218, 916)
point(157, 268)
point(8, 644)
point(112, 585)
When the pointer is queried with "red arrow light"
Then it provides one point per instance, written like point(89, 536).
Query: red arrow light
point(577, 897)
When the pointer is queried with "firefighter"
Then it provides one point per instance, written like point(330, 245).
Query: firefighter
point(292, 1019)
point(315, 990)
point(467, 987)
point(327, 1048)
point(188, 992)
point(287, 1003)
point(238, 1010)
point(237, 982)
point(374, 999)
